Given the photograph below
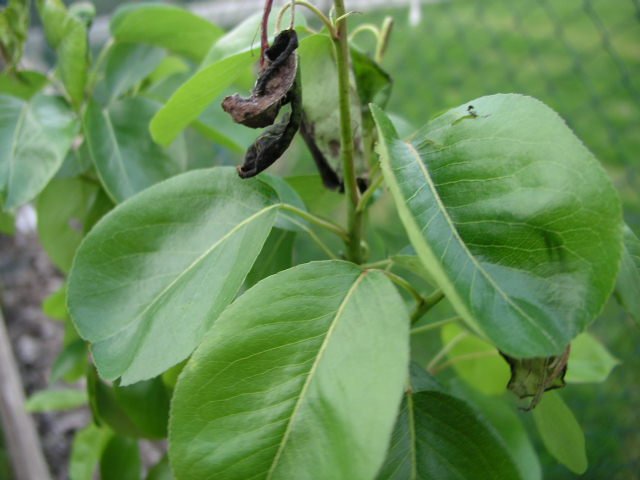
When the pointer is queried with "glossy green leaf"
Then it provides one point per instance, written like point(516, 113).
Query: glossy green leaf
point(56, 399)
point(62, 208)
point(139, 410)
point(589, 361)
point(35, 136)
point(121, 459)
point(154, 274)
point(191, 99)
point(67, 34)
point(300, 378)
point(24, 85)
point(512, 215)
point(276, 255)
point(628, 284)
point(125, 156)
point(166, 26)
point(499, 414)
point(438, 436)
point(126, 66)
point(561, 433)
point(87, 448)
point(476, 361)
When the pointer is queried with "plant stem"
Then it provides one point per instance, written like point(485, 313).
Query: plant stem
point(401, 282)
point(426, 305)
point(368, 194)
point(433, 325)
point(318, 13)
point(264, 41)
point(445, 350)
point(321, 222)
point(435, 369)
point(314, 236)
point(356, 219)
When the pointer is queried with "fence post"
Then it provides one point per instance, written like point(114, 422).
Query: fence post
point(25, 454)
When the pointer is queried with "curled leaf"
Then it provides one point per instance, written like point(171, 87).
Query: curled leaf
point(272, 87)
point(531, 377)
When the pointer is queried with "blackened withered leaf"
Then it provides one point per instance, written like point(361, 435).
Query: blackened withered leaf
point(531, 377)
point(272, 87)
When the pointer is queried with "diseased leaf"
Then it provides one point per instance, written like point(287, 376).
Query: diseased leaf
point(628, 284)
point(561, 433)
point(35, 136)
point(589, 361)
point(154, 274)
point(439, 436)
point(54, 400)
point(166, 26)
point(126, 158)
point(282, 396)
point(512, 215)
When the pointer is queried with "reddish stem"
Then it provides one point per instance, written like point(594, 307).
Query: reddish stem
point(265, 30)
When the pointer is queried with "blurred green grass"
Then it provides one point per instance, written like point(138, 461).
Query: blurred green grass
point(581, 57)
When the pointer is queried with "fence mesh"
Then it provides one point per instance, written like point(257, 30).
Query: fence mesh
point(582, 57)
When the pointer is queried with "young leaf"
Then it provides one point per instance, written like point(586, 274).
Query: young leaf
point(589, 361)
point(67, 34)
point(166, 26)
point(121, 459)
point(35, 136)
point(561, 433)
point(628, 284)
point(126, 158)
point(127, 65)
point(476, 361)
point(62, 208)
point(512, 215)
point(140, 410)
point(87, 448)
point(154, 274)
point(439, 436)
point(300, 377)
point(54, 400)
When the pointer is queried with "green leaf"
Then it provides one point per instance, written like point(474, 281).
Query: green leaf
point(276, 255)
point(62, 208)
point(7, 221)
point(71, 363)
point(23, 85)
point(561, 433)
point(35, 136)
point(67, 34)
point(127, 65)
point(55, 400)
point(14, 29)
point(440, 436)
point(169, 260)
point(161, 470)
point(512, 215)
point(125, 156)
point(139, 410)
point(87, 448)
point(227, 60)
point(193, 97)
point(166, 26)
point(300, 377)
point(412, 264)
point(475, 361)
point(372, 82)
point(500, 415)
point(589, 361)
point(121, 460)
point(628, 283)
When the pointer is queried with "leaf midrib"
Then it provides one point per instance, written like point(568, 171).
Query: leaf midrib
point(311, 374)
point(412, 150)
